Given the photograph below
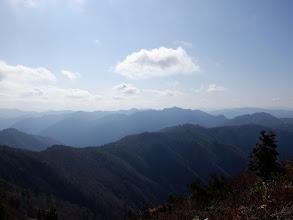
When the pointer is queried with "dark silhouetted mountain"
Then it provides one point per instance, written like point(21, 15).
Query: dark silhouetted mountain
point(18, 139)
point(261, 118)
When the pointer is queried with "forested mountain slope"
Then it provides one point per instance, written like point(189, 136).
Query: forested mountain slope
point(13, 137)
point(105, 182)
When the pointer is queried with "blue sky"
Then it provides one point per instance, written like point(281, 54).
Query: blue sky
point(121, 54)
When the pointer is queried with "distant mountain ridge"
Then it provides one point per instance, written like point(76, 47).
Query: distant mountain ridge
point(13, 137)
point(234, 112)
point(101, 127)
point(109, 128)
point(260, 118)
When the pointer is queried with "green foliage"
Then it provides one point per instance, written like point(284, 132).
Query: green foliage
point(264, 155)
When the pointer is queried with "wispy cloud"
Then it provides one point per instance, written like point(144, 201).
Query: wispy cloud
point(215, 88)
point(25, 3)
point(69, 74)
point(118, 97)
point(41, 3)
point(34, 87)
point(126, 88)
point(209, 89)
point(158, 62)
point(80, 2)
point(163, 93)
point(183, 43)
point(276, 99)
point(97, 42)
point(173, 83)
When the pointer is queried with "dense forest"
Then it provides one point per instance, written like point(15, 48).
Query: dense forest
point(108, 181)
point(263, 191)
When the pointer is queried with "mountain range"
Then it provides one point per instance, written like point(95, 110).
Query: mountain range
point(105, 182)
point(234, 112)
point(102, 127)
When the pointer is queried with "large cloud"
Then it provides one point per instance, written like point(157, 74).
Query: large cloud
point(24, 73)
point(156, 62)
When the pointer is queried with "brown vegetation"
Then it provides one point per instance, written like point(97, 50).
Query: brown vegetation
point(246, 196)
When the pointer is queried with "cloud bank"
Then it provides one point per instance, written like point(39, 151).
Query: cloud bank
point(37, 88)
point(158, 62)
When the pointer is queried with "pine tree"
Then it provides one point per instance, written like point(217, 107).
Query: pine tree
point(264, 156)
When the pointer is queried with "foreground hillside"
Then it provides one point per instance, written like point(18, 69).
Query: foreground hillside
point(244, 197)
point(105, 182)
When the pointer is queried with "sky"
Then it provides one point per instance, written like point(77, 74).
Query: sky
point(121, 54)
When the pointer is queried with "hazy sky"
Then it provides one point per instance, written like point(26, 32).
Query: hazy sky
point(119, 54)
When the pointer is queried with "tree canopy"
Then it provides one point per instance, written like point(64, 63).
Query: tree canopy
point(264, 155)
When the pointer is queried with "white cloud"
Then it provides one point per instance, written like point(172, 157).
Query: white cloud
point(215, 88)
point(49, 96)
point(199, 90)
point(69, 74)
point(276, 99)
point(158, 62)
point(126, 88)
point(211, 88)
point(183, 43)
point(35, 88)
point(24, 73)
point(32, 92)
point(164, 93)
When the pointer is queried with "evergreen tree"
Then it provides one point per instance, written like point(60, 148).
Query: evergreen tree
point(264, 155)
